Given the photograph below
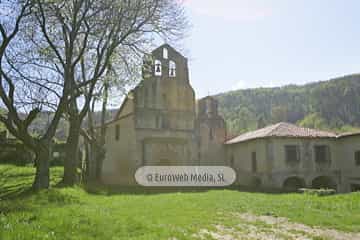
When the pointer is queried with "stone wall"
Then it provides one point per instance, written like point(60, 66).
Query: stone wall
point(346, 162)
point(274, 171)
point(156, 124)
point(211, 132)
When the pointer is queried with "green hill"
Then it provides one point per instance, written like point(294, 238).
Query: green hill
point(329, 105)
point(40, 124)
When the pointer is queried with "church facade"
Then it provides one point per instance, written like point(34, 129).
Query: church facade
point(160, 123)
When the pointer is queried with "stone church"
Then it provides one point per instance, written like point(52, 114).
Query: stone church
point(161, 123)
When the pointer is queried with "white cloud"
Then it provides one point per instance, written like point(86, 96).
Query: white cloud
point(231, 10)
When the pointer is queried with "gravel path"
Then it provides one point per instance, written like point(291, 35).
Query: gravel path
point(254, 227)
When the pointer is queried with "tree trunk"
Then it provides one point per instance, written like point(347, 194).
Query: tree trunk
point(92, 161)
point(100, 148)
point(85, 165)
point(72, 154)
point(100, 156)
point(42, 175)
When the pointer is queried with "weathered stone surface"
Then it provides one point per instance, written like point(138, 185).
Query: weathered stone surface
point(158, 123)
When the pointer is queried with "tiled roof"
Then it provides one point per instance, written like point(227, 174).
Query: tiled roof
point(282, 129)
point(348, 134)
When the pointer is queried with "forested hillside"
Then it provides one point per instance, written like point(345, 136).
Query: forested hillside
point(39, 124)
point(329, 105)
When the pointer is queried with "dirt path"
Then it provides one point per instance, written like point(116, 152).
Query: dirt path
point(268, 228)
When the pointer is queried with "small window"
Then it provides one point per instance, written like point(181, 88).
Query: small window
point(292, 154)
point(172, 69)
point(232, 161)
point(157, 121)
point(165, 53)
point(158, 69)
point(322, 154)
point(253, 162)
point(357, 158)
point(117, 132)
point(164, 122)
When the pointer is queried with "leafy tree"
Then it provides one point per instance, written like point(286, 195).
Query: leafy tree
point(279, 114)
point(313, 120)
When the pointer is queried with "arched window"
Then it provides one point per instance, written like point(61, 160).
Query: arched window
point(165, 53)
point(172, 69)
point(157, 70)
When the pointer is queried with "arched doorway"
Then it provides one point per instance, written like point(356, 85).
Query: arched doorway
point(293, 183)
point(324, 182)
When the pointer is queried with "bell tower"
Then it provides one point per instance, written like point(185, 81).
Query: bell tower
point(166, 90)
point(167, 64)
point(165, 114)
point(211, 130)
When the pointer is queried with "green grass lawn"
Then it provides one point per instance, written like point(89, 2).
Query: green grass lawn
point(72, 213)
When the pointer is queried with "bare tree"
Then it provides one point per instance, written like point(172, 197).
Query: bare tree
point(83, 37)
point(114, 85)
point(25, 89)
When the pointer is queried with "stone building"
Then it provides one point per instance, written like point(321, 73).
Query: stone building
point(285, 156)
point(158, 122)
point(161, 123)
point(348, 161)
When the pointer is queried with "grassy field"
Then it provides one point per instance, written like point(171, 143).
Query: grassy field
point(72, 213)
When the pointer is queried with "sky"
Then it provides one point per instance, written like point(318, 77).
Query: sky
point(239, 44)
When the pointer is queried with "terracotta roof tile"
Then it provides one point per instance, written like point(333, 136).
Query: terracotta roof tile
point(282, 129)
point(348, 134)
